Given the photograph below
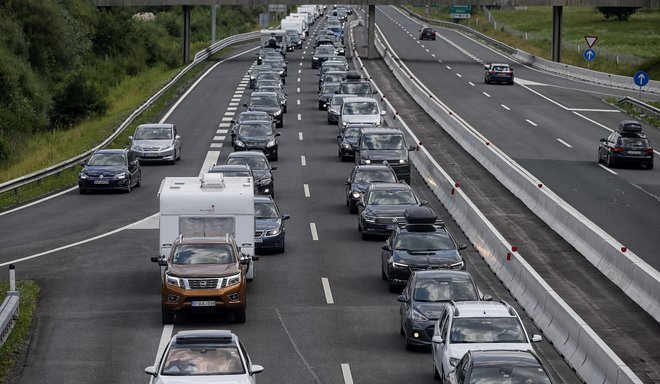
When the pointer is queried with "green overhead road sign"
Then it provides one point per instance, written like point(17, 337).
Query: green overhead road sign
point(460, 11)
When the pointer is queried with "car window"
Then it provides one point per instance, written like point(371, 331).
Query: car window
point(382, 141)
point(252, 162)
point(360, 108)
point(355, 88)
point(437, 290)
point(633, 142)
point(107, 159)
point(487, 330)
point(202, 360)
point(255, 130)
point(329, 88)
point(424, 241)
point(265, 211)
point(153, 133)
point(263, 101)
point(253, 116)
point(352, 132)
point(368, 176)
point(187, 254)
point(508, 373)
point(393, 197)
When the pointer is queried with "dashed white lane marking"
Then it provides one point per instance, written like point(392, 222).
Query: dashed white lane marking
point(233, 104)
point(299, 79)
point(300, 70)
point(531, 122)
point(471, 83)
point(315, 234)
point(607, 169)
point(459, 75)
point(229, 113)
point(298, 90)
point(222, 131)
point(346, 372)
point(228, 118)
point(224, 125)
point(326, 290)
point(219, 138)
point(487, 95)
point(235, 100)
point(565, 143)
point(300, 136)
point(299, 117)
point(216, 145)
point(505, 107)
point(303, 161)
point(448, 67)
point(298, 101)
point(433, 55)
point(301, 64)
point(232, 109)
point(306, 190)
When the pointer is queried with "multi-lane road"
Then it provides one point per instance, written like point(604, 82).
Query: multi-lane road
point(99, 313)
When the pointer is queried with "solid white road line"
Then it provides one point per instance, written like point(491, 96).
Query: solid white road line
point(346, 372)
point(312, 228)
point(300, 136)
point(565, 143)
point(531, 122)
point(600, 165)
point(327, 291)
point(306, 189)
point(303, 162)
point(505, 107)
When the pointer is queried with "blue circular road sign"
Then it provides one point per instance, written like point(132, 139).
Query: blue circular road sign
point(641, 78)
point(589, 54)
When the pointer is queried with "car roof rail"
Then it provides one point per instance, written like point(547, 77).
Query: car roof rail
point(512, 311)
point(453, 304)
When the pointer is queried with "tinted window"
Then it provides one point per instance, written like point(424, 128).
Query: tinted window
point(255, 130)
point(382, 141)
point(253, 116)
point(203, 254)
point(632, 142)
point(263, 101)
point(252, 162)
point(265, 210)
point(487, 330)
point(355, 88)
point(508, 373)
point(392, 197)
point(324, 49)
point(371, 175)
point(107, 159)
point(434, 290)
point(424, 241)
point(153, 133)
point(202, 360)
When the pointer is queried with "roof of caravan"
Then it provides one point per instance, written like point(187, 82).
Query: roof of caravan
point(186, 195)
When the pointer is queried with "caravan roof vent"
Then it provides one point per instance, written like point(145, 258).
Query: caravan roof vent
point(213, 180)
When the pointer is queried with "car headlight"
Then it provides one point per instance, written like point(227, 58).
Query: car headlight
point(356, 194)
point(121, 176)
point(346, 146)
point(271, 143)
point(453, 361)
point(402, 161)
point(416, 316)
point(136, 147)
point(344, 124)
point(167, 147)
point(174, 281)
point(458, 265)
point(239, 143)
point(399, 265)
point(281, 72)
point(369, 219)
point(252, 78)
point(315, 58)
point(367, 161)
point(274, 232)
point(83, 176)
point(277, 113)
point(233, 280)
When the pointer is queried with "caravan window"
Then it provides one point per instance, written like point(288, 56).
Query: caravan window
point(206, 226)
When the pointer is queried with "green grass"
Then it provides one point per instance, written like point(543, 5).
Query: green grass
point(19, 338)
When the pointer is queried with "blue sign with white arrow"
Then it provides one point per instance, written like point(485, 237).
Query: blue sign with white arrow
point(589, 54)
point(641, 78)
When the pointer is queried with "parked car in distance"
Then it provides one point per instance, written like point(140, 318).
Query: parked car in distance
point(427, 33)
point(270, 230)
point(204, 356)
point(498, 73)
point(156, 142)
point(108, 169)
point(261, 169)
point(628, 144)
point(500, 366)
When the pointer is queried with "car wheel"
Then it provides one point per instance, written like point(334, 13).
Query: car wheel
point(394, 288)
point(167, 316)
point(139, 180)
point(282, 248)
point(408, 345)
point(401, 331)
point(82, 191)
point(600, 159)
point(436, 375)
point(178, 157)
point(274, 156)
point(240, 316)
point(649, 165)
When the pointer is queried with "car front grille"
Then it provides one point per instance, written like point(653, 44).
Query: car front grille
point(389, 220)
point(207, 283)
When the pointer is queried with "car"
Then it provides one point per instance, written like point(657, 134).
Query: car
point(256, 135)
point(331, 77)
point(324, 40)
point(251, 116)
point(269, 225)
point(268, 75)
point(425, 296)
point(476, 325)
point(156, 142)
point(421, 243)
point(261, 169)
point(108, 169)
point(334, 108)
point(347, 141)
point(277, 89)
point(500, 367)
point(267, 102)
point(498, 73)
point(295, 38)
point(361, 110)
point(427, 33)
point(266, 51)
point(384, 144)
point(361, 177)
point(628, 144)
point(261, 83)
point(203, 356)
point(333, 65)
point(232, 170)
point(355, 85)
point(203, 275)
point(325, 94)
point(321, 54)
point(382, 207)
point(255, 71)
point(279, 66)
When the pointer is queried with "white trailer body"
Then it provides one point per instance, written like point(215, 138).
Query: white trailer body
point(304, 17)
point(211, 206)
point(278, 34)
point(294, 24)
point(309, 12)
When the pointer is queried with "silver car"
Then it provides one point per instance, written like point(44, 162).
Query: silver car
point(156, 142)
point(360, 110)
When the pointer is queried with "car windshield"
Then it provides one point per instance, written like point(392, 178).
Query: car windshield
point(437, 290)
point(106, 159)
point(360, 108)
point(487, 330)
point(325, 50)
point(268, 76)
point(381, 141)
point(263, 101)
point(329, 88)
point(153, 133)
point(253, 117)
point(267, 83)
point(252, 162)
point(392, 197)
point(202, 360)
point(275, 64)
point(255, 130)
point(508, 373)
point(371, 175)
point(187, 254)
point(265, 211)
point(355, 88)
point(424, 241)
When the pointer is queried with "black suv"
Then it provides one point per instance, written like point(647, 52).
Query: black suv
point(421, 243)
point(627, 144)
point(256, 135)
point(382, 207)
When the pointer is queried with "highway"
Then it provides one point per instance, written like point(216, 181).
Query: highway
point(99, 314)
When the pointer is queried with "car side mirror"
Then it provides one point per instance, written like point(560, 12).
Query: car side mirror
point(401, 299)
point(83, 163)
point(162, 262)
point(536, 338)
point(423, 202)
point(273, 167)
point(234, 121)
point(245, 105)
point(487, 298)
point(277, 134)
point(150, 370)
point(254, 369)
point(602, 140)
point(412, 148)
point(385, 247)
point(462, 246)
point(438, 340)
point(285, 217)
point(383, 113)
point(130, 138)
point(245, 260)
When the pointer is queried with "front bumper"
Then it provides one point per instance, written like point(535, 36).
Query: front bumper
point(420, 332)
point(155, 156)
point(377, 228)
point(269, 242)
point(179, 299)
point(102, 184)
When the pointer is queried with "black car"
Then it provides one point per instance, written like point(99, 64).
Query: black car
point(261, 169)
point(296, 40)
point(361, 177)
point(331, 77)
point(321, 54)
point(347, 142)
point(422, 243)
point(499, 367)
point(626, 145)
point(424, 298)
point(269, 225)
point(279, 66)
point(267, 102)
point(266, 51)
point(251, 116)
point(427, 33)
point(382, 208)
point(498, 73)
point(108, 169)
point(334, 108)
point(234, 170)
point(326, 93)
point(254, 73)
point(280, 94)
point(355, 85)
point(256, 136)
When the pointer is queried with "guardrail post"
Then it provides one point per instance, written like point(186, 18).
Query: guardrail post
point(12, 286)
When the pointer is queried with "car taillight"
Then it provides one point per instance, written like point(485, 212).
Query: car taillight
point(492, 72)
point(617, 149)
point(648, 150)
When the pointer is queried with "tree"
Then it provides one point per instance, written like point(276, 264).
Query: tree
point(621, 13)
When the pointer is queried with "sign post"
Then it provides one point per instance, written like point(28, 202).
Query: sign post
point(589, 55)
point(641, 78)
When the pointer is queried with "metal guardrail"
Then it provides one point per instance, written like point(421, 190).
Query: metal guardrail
point(640, 105)
point(57, 168)
point(9, 308)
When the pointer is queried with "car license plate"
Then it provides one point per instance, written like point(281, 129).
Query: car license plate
point(258, 240)
point(150, 155)
point(205, 303)
point(101, 182)
point(635, 152)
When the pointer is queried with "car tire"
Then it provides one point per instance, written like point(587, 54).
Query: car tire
point(649, 165)
point(436, 375)
point(274, 156)
point(281, 249)
point(240, 316)
point(394, 288)
point(167, 317)
point(383, 275)
point(82, 191)
point(408, 345)
point(401, 331)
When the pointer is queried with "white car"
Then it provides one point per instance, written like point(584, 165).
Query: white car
point(360, 110)
point(476, 326)
point(204, 356)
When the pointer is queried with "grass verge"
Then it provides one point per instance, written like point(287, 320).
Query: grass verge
point(19, 338)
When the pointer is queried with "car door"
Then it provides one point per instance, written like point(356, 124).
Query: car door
point(437, 331)
point(177, 141)
point(387, 251)
point(133, 165)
